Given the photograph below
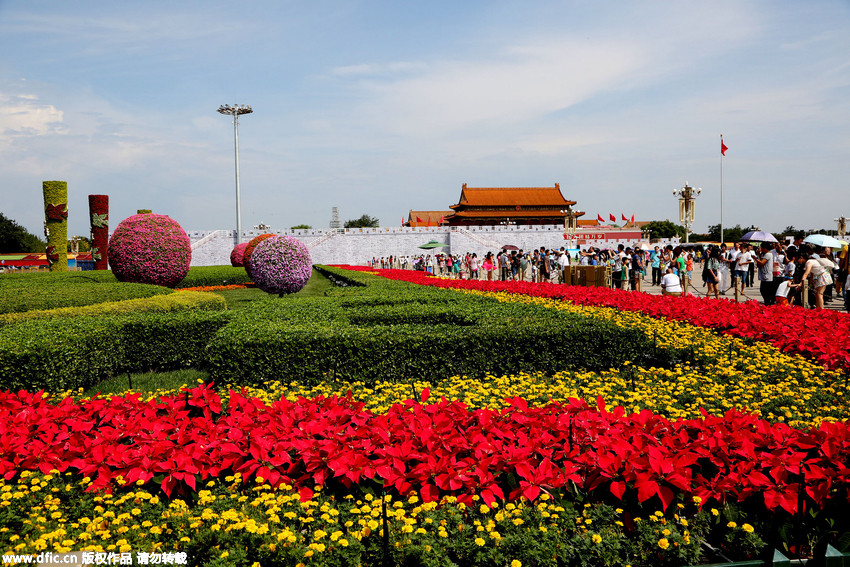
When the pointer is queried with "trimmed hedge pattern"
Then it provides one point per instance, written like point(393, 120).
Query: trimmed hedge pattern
point(26, 292)
point(78, 352)
point(394, 331)
point(177, 301)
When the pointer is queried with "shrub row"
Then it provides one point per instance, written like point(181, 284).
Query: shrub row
point(178, 301)
point(51, 290)
point(27, 292)
point(393, 331)
point(77, 352)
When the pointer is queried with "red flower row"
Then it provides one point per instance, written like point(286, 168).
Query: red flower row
point(440, 448)
point(821, 335)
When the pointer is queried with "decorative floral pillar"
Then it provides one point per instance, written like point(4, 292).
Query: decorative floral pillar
point(56, 224)
point(99, 217)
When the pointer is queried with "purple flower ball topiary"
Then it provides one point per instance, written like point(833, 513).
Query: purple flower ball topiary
point(150, 249)
point(281, 264)
point(236, 255)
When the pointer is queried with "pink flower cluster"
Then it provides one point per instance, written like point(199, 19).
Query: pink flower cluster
point(281, 264)
point(237, 254)
point(150, 249)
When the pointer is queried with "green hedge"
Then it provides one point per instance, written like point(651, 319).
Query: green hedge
point(77, 352)
point(397, 331)
point(51, 290)
point(39, 291)
point(177, 301)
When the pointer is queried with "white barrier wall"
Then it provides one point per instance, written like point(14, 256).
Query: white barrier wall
point(358, 246)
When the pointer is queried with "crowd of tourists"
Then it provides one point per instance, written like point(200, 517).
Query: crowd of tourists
point(541, 265)
point(775, 271)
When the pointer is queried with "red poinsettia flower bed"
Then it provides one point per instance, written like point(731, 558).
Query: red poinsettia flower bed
point(819, 334)
point(435, 449)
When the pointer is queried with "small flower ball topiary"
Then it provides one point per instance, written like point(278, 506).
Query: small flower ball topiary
point(150, 249)
point(281, 264)
point(249, 250)
point(236, 255)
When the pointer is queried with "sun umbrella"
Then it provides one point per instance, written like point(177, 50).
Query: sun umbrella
point(822, 240)
point(758, 236)
point(433, 244)
point(509, 247)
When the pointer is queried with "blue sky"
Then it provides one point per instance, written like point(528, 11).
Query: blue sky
point(380, 107)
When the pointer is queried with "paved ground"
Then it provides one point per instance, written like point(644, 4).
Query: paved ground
point(751, 294)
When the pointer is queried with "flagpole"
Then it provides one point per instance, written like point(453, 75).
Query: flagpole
point(721, 190)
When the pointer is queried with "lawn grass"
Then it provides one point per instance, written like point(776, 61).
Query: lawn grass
point(147, 382)
point(240, 298)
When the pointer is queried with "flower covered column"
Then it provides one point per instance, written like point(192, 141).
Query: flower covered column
point(99, 217)
point(56, 224)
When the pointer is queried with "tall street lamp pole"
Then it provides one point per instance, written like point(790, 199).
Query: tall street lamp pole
point(570, 222)
point(687, 195)
point(235, 111)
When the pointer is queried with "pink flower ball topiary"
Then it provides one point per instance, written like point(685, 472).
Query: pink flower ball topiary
point(281, 264)
point(237, 253)
point(150, 249)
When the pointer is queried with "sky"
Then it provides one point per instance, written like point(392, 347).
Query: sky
point(380, 107)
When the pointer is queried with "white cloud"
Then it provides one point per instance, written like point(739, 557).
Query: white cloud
point(25, 115)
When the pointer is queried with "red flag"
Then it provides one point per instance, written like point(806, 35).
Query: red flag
point(633, 218)
point(612, 217)
point(441, 220)
point(402, 221)
point(624, 217)
point(723, 147)
point(599, 218)
point(418, 219)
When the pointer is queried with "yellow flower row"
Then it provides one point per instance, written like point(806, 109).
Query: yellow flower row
point(60, 517)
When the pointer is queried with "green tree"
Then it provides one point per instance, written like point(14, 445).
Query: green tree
point(300, 226)
point(730, 233)
point(15, 238)
point(363, 222)
point(83, 244)
point(664, 229)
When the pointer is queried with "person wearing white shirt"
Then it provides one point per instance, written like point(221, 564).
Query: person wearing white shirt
point(742, 266)
point(671, 284)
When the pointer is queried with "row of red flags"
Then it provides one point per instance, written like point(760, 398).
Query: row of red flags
point(614, 218)
point(404, 221)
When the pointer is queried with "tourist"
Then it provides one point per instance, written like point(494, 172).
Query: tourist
point(670, 283)
point(543, 272)
point(742, 262)
point(655, 263)
point(765, 261)
point(473, 266)
point(783, 292)
point(488, 266)
point(818, 268)
point(618, 267)
point(514, 265)
point(712, 272)
point(563, 264)
point(637, 270)
point(504, 265)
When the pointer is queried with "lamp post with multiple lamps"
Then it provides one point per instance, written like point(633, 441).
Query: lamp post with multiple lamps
point(687, 195)
point(235, 111)
point(570, 223)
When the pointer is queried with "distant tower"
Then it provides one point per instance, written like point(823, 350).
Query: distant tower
point(335, 218)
